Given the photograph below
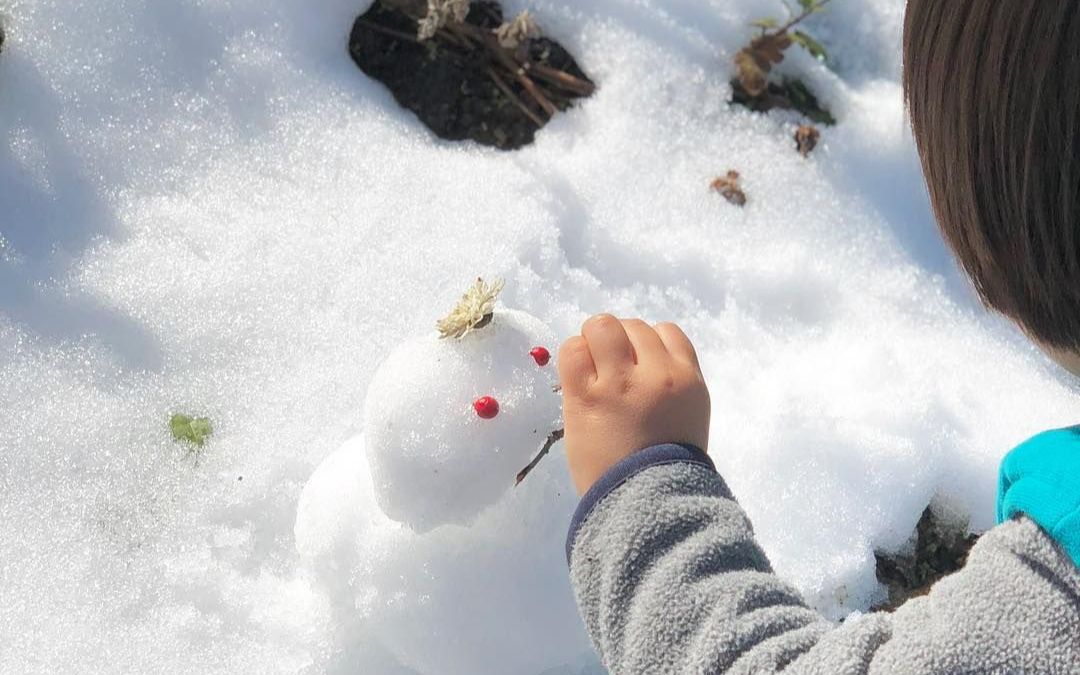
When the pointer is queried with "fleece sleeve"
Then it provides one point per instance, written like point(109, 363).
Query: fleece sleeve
point(669, 579)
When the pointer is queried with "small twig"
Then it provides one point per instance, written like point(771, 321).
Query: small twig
point(401, 35)
point(525, 81)
point(455, 31)
point(474, 33)
point(454, 40)
point(553, 438)
point(536, 93)
point(561, 78)
point(501, 84)
point(504, 59)
point(795, 20)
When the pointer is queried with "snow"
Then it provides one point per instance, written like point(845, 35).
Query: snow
point(206, 208)
point(485, 598)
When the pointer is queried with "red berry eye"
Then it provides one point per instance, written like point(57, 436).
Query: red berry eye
point(486, 407)
point(541, 355)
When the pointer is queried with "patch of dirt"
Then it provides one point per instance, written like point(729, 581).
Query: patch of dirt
point(940, 550)
point(448, 83)
point(789, 94)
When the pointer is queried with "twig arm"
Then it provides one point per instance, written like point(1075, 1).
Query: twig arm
point(553, 438)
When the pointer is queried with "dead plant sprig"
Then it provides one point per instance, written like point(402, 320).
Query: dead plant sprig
point(755, 61)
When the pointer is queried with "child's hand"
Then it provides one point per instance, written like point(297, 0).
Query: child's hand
point(628, 386)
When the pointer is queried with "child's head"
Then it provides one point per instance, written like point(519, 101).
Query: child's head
point(993, 88)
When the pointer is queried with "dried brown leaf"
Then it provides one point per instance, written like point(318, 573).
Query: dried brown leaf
point(806, 139)
point(728, 186)
point(755, 61)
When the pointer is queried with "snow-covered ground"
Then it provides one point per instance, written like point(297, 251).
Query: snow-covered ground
point(205, 207)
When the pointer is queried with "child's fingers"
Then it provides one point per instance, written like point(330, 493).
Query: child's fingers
point(576, 368)
point(647, 344)
point(678, 345)
point(609, 345)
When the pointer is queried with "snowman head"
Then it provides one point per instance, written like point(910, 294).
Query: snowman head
point(450, 418)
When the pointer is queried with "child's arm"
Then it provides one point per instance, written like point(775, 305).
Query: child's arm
point(669, 579)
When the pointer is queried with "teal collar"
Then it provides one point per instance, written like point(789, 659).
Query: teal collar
point(1041, 479)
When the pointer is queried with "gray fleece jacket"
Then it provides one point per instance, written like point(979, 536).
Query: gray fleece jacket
point(669, 579)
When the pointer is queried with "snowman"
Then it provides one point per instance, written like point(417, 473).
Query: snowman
point(415, 529)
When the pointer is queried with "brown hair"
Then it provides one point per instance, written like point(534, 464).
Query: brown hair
point(993, 90)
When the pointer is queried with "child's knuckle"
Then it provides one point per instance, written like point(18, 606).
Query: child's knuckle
point(601, 322)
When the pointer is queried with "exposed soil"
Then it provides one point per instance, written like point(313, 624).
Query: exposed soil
point(790, 94)
point(940, 550)
point(449, 86)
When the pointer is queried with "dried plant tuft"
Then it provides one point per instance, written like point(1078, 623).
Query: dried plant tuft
point(473, 311)
point(439, 12)
point(517, 32)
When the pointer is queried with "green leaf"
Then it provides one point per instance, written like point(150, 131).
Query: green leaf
point(816, 49)
point(803, 100)
point(766, 23)
point(808, 5)
point(187, 429)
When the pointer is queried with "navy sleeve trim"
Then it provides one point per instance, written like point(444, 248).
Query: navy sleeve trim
point(668, 453)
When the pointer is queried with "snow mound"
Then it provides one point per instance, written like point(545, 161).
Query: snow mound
point(433, 459)
point(336, 512)
point(430, 602)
